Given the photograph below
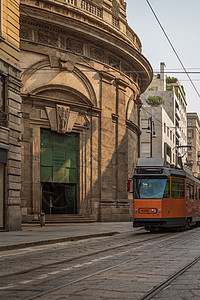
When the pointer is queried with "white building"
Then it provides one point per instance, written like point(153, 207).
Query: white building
point(169, 119)
point(193, 135)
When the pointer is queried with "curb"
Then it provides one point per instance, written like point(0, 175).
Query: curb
point(54, 241)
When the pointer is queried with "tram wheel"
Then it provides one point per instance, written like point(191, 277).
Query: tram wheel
point(187, 224)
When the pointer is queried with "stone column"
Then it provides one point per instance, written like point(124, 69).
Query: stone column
point(107, 142)
point(36, 195)
point(122, 153)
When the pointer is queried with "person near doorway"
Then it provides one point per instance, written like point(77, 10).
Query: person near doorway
point(51, 200)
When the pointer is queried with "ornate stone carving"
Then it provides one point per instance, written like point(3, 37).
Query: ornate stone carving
point(114, 62)
point(62, 117)
point(43, 37)
point(74, 46)
point(24, 34)
point(67, 65)
point(53, 40)
point(96, 54)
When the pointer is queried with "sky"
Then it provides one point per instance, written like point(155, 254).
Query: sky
point(181, 22)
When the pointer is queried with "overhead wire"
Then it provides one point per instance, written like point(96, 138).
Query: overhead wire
point(173, 47)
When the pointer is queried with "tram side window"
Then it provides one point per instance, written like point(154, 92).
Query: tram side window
point(178, 188)
point(195, 192)
point(188, 190)
point(191, 191)
point(167, 189)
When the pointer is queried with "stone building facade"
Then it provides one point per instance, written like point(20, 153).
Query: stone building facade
point(193, 140)
point(10, 117)
point(83, 73)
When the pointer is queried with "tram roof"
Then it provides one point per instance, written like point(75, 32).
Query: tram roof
point(152, 162)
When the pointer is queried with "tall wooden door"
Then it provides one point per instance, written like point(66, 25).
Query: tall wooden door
point(59, 172)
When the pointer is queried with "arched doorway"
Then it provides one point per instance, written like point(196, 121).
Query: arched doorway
point(59, 172)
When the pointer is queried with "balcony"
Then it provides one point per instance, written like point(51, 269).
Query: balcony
point(178, 115)
point(3, 119)
point(101, 12)
point(178, 132)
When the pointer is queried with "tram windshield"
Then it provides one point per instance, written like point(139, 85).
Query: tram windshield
point(151, 188)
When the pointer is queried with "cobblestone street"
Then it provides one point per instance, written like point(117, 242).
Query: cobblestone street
point(128, 265)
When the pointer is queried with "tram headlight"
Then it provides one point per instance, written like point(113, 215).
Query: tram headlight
point(159, 210)
point(153, 210)
point(136, 210)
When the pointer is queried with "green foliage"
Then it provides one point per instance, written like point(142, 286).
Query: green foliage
point(154, 100)
point(183, 89)
point(169, 87)
point(171, 79)
point(151, 89)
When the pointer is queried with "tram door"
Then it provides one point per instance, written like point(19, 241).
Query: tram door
point(58, 172)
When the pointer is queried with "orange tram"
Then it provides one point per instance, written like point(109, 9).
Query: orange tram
point(164, 197)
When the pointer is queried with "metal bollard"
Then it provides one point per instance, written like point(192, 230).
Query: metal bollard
point(42, 219)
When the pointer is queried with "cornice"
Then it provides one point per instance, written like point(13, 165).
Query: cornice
point(133, 127)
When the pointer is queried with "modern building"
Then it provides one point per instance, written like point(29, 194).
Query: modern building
point(169, 119)
point(193, 136)
point(163, 134)
point(10, 117)
point(83, 73)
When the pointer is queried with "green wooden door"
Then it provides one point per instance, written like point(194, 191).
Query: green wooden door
point(58, 157)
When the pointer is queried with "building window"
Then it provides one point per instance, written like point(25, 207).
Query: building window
point(189, 124)
point(164, 127)
point(145, 148)
point(190, 135)
point(144, 123)
point(167, 131)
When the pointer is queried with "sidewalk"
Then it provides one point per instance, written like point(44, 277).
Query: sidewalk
point(33, 235)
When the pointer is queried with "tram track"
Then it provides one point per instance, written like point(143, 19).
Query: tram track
point(69, 260)
point(149, 295)
point(167, 282)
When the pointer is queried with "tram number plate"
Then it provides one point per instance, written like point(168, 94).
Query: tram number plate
point(145, 211)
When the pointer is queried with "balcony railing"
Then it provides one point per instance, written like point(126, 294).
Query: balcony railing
point(178, 132)
point(3, 119)
point(178, 115)
point(91, 8)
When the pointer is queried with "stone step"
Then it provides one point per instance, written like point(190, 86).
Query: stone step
point(54, 219)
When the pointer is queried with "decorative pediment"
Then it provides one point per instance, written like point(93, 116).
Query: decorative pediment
point(63, 120)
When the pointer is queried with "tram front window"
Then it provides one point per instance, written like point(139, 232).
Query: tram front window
point(146, 188)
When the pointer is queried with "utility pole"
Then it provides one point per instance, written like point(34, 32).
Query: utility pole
point(151, 130)
point(151, 136)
